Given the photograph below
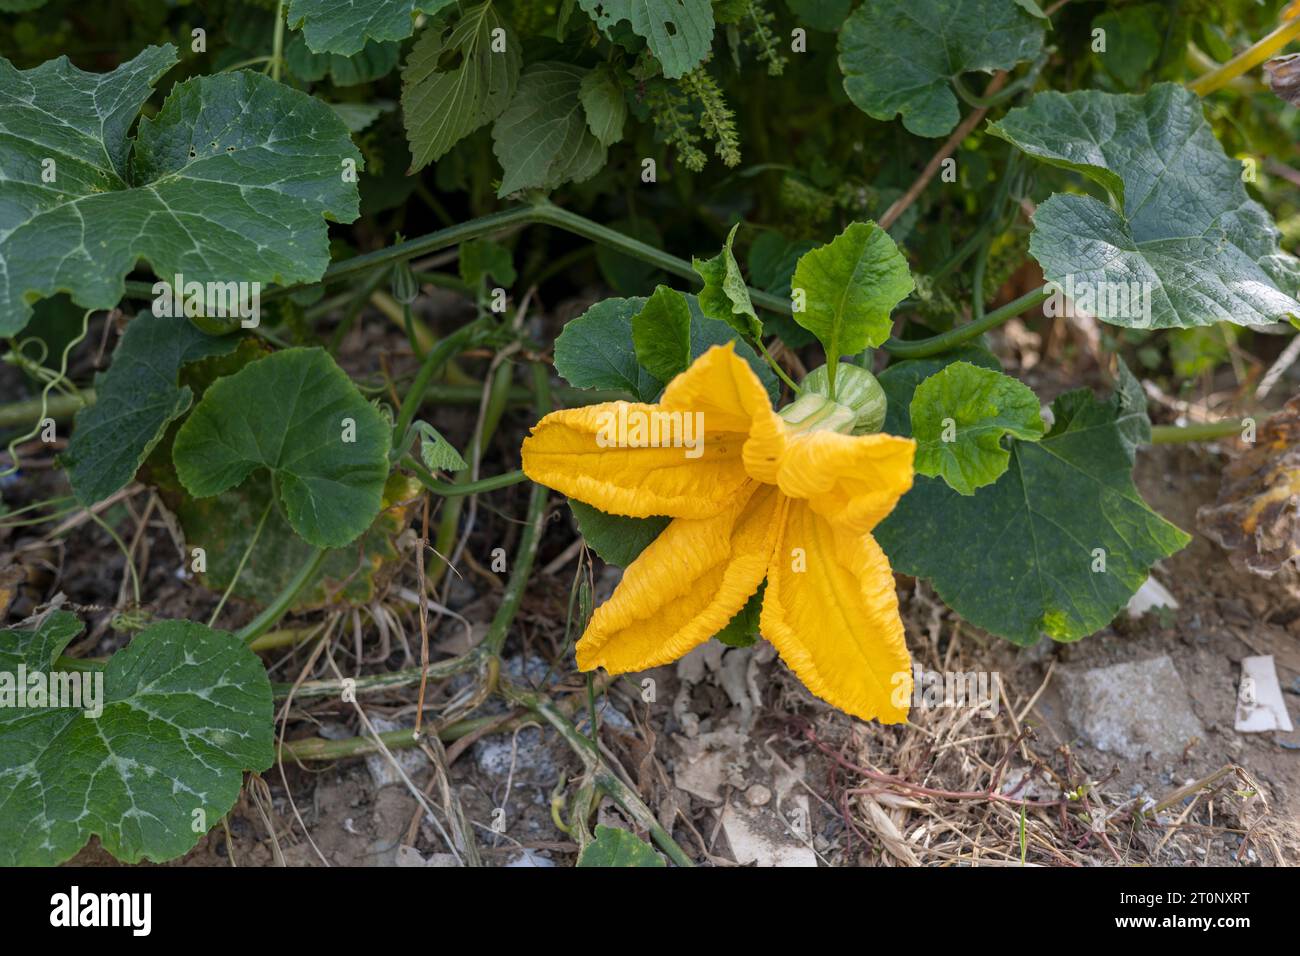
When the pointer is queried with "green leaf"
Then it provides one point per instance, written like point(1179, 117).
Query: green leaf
point(678, 32)
point(436, 452)
point(1021, 557)
point(959, 417)
point(542, 139)
point(373, 61)
point(186, 710)
point(617, 847)
point(1134, 37)
point(290, 413)
point(602, 98)
point(901, 379)
point(1181, 225)
point(849, 287)
point(725, 295)
point(223, 527)
point(742, 629)
point(900, 56)
point(202, 195)
point(454, 82)
point(825, 15)
point(597, 349)
point(344, 26)
point(481, 258)
point(618, 539)
point(661, 334)
point(135, 401)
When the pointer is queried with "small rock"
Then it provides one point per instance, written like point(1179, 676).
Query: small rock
point(1130, 709)
point(758, 795)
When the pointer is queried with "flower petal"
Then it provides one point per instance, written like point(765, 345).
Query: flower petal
point(853, 480)
point(836, 623)
point(685, 586)
point(563, 452)
point(722, 385)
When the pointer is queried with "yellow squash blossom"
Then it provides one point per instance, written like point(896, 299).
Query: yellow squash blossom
point(763, 497)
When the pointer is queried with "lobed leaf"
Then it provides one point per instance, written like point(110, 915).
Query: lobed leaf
point(1058, 544)
point(186, 710)
point(290, 413)
point(678, 32)
point(901, 56)
point(135, 401)
point(725, 295)
point(231, 180)
point(977, 407)
point(1181, 225)
point(344, 26)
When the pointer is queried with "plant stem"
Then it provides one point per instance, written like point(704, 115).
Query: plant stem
point(604, 779)
point(283, 601)
point(277, 42)
point(450, 489)
point(257, 533)
point(438, 356)
point(923, 348)
point(1247, 60)
point(1201, 431)
point(527, 550)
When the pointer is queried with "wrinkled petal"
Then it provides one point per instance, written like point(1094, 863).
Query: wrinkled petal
point(685, 586)
point(722, 385)
point(563, 452)
point(852, 480)
point(835, 623)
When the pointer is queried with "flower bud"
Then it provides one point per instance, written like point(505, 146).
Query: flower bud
point(858, 407)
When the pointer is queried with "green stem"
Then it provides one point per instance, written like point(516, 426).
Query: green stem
point(450, 489)
point(1201, 431)
point(277, 42)
point(923, 348)
point(527, 550)
point(242, 561)
point(1247, 60)
point(284, 600)
point(438, 356)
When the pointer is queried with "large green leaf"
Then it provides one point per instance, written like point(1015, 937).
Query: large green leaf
point(186, 710)
point(542, 140)
point(1181, 224)
point(725, 295)
point(297, 414)
point(344, 26)
point(454, 82)
point(135, 401)
point(231, 181)
point(1059, 543)
point(849, 288)
point(960, 416)
point(678, 32)
point(900, 56)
